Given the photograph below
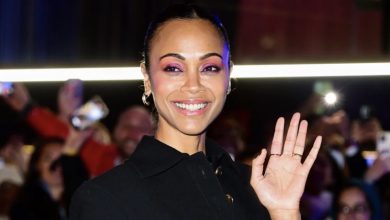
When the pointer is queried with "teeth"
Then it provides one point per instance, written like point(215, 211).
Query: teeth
point(191, 107)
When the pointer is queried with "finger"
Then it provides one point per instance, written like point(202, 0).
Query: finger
point(258, 165)
point(291, 135)
point(301, 138)
point(277, 141)
point(309, 161)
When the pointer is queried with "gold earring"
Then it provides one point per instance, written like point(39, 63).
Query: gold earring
point(144, 99)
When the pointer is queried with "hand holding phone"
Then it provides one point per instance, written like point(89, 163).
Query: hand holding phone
point(89, 113)
point(383, 144)
point(70, 97)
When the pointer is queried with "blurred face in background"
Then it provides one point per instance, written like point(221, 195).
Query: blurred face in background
point(50, 172)
point(353, 205)
point(366, 132)
point(132, 125)
point(188, 76)
point(12, 150)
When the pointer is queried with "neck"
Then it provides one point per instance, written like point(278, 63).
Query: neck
point(184, 143)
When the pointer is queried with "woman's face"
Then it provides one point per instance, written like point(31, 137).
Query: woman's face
point(353, 205)
point(189, 75)
point(52, 176)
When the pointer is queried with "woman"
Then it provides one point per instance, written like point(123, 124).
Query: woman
point(51, 178)
point(41, 194)
point(356, 200)
point(178, 174)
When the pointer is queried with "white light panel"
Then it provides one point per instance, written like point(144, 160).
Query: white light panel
point(239, 71)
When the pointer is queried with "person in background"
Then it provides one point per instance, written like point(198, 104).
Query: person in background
point(227, 132)
point(317, 198)
point(364, 133)
point(132, 124)
point(356, 200)
point(8, 193)
point(13, 162)
point(12, 169)
point(50, 181)
point(334, 129)
point(41, 194)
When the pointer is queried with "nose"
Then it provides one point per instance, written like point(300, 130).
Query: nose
point(193, 82)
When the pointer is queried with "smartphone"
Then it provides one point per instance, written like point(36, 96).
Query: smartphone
point(89, 113)
point(6, 88)
point(383, 144)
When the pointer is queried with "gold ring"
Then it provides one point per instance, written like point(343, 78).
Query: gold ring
point(296, 154)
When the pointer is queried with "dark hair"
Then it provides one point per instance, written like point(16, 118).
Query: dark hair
point(180, 11)
point(33, 173)
point(369, 192)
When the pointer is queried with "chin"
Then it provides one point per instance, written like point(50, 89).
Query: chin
point(193, 130)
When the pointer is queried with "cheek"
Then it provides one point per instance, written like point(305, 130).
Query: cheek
point(42, 168)
point(162, 86)
point(217, 85)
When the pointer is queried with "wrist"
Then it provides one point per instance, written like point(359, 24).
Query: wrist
point(292, 214)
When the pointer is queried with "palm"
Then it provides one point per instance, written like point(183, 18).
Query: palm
point(283, 182)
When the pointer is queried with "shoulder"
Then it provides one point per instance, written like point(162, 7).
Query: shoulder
point(100, 198)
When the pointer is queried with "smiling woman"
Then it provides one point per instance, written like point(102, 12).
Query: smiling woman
point(178, 174)
point(189, 86)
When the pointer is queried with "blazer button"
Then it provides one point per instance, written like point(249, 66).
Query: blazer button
point(218, 171)
point(229, 198)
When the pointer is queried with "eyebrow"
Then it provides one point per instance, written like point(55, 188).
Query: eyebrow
point(178, 56)
point(210, 55)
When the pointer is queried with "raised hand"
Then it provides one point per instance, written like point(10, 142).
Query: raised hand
point(19, 98)
point(70, 97)
point(281, 185)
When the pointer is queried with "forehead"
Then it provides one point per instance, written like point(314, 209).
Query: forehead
point(187, 35)
point(134, 116)
point(352, 195)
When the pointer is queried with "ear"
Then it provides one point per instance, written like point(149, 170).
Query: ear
point(147, 83)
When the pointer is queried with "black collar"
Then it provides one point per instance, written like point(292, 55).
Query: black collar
point(152, 156)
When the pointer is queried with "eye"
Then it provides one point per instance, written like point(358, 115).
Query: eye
point(172, 69)
point(214, 69)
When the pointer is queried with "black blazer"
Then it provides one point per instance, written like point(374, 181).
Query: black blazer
point(159, 182)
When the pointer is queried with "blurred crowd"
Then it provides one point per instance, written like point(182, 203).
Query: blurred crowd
point(349, 180)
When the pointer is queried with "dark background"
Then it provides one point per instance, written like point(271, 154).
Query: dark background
point(71, 33)
point(257, 103)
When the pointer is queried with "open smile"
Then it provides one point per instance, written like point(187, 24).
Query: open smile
point(191, 108)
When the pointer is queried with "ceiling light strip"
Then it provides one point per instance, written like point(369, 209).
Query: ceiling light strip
point(239, 71)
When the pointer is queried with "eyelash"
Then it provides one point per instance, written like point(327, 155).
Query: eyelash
point(172, 69)
point(175, 69)
point(214, 69)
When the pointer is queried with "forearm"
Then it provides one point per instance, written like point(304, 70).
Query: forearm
point(98, 157)
point(46, 123)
